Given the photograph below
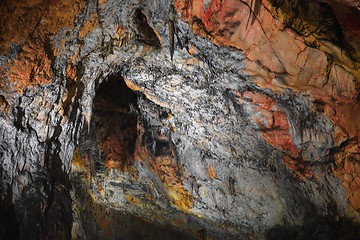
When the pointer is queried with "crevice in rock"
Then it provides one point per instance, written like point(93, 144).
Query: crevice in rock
point(145, 33)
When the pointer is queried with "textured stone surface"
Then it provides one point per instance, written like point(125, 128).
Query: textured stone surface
point(207, 120)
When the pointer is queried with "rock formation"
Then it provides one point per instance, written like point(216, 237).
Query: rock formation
point(185, 119)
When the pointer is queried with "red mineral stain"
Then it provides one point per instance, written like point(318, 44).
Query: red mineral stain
point(279, 58)
point(272, 121)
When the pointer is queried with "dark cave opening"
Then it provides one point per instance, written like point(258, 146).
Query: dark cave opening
point(110, 144)
point(115, 122)
point(114, 96)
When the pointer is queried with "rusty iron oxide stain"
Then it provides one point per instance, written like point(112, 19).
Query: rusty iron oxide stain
point(31, 24)
point(305, 64)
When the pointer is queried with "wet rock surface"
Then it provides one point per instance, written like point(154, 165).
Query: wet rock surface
point(180, 120)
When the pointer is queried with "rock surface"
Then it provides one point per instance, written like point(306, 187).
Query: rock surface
point(192, 119)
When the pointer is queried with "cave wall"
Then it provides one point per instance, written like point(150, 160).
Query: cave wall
point(194, 119)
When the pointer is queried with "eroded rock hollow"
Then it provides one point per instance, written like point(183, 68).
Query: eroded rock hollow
point(185, 119)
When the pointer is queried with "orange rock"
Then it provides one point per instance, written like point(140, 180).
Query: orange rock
point(291, 163)
point(3, 103)
point(180, 197)
point(191, 50)
point(133, 200)
point(356, 183)
point(348, 177)
point(355, 149)
point(355, 200)
point(339, 135)
point(31, 25)
point(32, 66)
point(348, 171)
point(211, 172)
point(272, 122)
point(100, 2)
point(346, 186)
point(89, 25)
point(77, 160)
point(347, 117)
point(348, 166)
point(357, 166)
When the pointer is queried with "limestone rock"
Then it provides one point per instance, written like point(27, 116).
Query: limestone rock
point(179, 119)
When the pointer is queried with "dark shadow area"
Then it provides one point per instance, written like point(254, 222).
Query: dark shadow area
point(9, 226)
point(101, 222)
point(43, 210)
point(144, 32)
point(113, 95)
point(57, 214)
point(315, 17)
point(318, 228)
point(114, 123)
